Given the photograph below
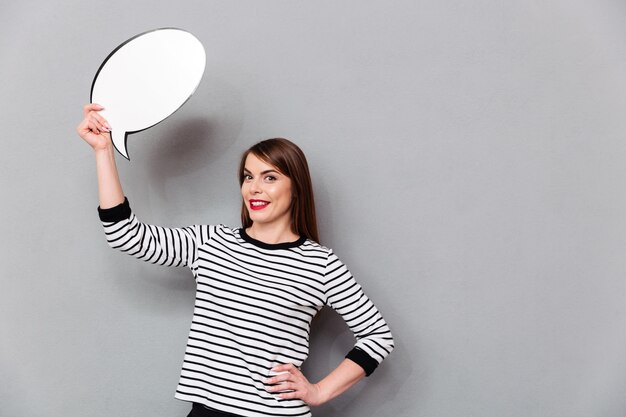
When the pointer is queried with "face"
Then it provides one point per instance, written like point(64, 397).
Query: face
point(266, 193)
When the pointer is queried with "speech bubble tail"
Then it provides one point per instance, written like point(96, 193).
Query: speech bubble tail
point(119, 141)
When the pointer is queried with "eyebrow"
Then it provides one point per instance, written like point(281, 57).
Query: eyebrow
point(246, 170)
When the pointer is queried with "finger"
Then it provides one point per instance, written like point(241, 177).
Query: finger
point(286, 386)
point(83, 125)
point(287, 367)
point(91, 107)
point(93, 124)
point(283, 378)
point(272, 380)
point(97, 116)
point(95, 128)
point(99, 122)
point(288, 395)
point(282, 388)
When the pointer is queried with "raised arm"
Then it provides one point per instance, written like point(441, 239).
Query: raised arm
point(155, 244)
point(95, 130)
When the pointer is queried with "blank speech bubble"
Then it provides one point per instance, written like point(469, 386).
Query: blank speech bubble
point(146, 79)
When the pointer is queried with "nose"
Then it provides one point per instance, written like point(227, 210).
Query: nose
point(255, 187)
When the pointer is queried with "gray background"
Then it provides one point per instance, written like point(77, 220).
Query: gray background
point(469, 165)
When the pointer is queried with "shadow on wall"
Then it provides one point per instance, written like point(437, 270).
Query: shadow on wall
point(172, 166)
point(185, 147)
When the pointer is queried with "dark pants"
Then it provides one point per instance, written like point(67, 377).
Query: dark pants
point(198, 410)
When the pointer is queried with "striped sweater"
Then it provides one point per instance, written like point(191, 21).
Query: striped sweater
point(253, 310)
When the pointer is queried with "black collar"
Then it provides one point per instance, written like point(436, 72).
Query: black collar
point(284, 245)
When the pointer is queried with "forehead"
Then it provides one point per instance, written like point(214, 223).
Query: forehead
point(255, 164)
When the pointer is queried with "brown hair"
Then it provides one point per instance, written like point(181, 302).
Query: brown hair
point(289, 159)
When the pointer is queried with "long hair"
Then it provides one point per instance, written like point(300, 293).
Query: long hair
point(289, 160)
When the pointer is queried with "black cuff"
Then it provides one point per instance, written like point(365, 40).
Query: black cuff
point(362, 359)
point(115, 214)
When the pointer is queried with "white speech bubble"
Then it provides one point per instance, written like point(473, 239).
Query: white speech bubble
point(146, 79)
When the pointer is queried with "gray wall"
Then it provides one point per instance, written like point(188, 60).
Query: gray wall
point(468, 160)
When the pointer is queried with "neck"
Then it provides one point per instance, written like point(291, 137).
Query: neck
point(272, 234)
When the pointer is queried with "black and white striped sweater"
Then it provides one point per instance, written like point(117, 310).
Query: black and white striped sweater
point(253, 310)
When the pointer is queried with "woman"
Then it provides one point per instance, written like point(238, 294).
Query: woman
point(258, 286)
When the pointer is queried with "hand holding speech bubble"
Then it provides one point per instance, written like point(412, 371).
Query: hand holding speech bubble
point(146, 79)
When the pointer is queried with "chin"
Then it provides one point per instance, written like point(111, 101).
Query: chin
point(255, 217)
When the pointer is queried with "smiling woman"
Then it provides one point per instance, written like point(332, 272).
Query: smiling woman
point(258, 286)
point(267, 196)
point(277, 162)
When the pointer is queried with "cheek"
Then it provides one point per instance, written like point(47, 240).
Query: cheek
point(287, 193)
point(282, 194)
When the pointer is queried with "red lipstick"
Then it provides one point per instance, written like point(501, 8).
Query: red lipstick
point(258, 204)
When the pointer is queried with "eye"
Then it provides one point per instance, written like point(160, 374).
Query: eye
point(270, 178)
point(247, 177)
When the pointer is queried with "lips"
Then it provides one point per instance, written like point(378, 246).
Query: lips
point(258, 204)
